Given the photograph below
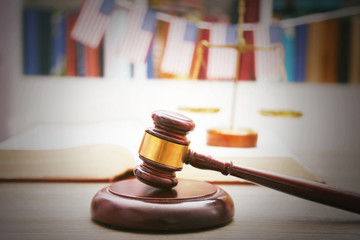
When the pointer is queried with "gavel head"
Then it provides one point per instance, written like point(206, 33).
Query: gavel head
point(163, 149)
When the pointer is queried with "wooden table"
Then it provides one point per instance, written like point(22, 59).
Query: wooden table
point(31, 210)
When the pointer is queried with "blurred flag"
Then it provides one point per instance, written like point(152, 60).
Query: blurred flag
point(91, 24)
point(277, 56)
point(179, 48)
point(116, 66)
point(268, 62)
point(222, 61)
point(139, 33)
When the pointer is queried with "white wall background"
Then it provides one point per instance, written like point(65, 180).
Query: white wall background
point(330, 121)
point(331, 112)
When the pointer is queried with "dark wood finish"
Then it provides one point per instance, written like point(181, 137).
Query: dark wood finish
point(170, 126)
point(191, 205)
point(155, 174)
point(309, 190)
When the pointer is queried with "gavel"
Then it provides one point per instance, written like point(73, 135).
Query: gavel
point(165, 148)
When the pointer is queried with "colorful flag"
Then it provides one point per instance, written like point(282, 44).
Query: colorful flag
point(179, 47)
point(222, 61)
point(116, 66)
point(91, 24)
point(261, 57)
point(139, 33)
point(268, 61)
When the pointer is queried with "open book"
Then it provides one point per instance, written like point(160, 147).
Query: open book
point(107, 151)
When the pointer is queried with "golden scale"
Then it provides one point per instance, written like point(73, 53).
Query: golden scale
point(232, 137)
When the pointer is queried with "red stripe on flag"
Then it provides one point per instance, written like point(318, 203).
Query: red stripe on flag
point(136, 42)
point(179, 52)
point(90, 25)
point(221, 61)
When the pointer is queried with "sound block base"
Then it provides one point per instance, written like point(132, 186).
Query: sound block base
point(191, 205)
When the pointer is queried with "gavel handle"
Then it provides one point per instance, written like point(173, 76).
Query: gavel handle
point(309, 190)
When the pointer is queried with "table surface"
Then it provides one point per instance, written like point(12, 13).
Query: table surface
point(30, 210)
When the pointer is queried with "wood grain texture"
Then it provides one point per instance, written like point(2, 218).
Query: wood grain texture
point(191, 205)
point(313, 191)
point(62, 210)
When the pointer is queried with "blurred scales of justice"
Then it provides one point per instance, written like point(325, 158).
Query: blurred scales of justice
point(235, 137)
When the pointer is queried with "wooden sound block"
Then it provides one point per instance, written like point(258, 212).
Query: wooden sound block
point(191, 205)
point(243, 138)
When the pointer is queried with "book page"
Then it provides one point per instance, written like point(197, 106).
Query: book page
point(103, 151)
